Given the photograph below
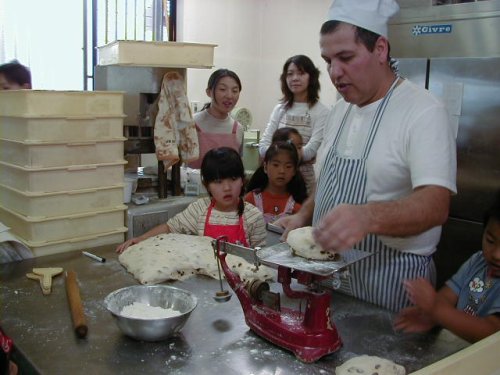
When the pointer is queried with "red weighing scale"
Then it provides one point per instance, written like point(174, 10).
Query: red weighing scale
point(309, 334)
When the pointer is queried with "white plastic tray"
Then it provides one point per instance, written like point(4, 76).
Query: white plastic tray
point(157, 54)
point(45, 205)
point(63, 227)
point(56, 154)
point(59, 179)
point(51, 103)
point(77, 243)
point(60, 129)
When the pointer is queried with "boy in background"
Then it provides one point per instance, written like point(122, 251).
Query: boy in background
point(14, 76)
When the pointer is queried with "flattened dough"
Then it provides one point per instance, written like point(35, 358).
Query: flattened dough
point(178, 256)
point(369, 365)
point(302, 244)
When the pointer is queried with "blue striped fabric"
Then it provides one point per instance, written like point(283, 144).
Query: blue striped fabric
point(378, 278)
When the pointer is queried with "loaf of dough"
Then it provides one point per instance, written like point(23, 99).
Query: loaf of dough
point(302, 243)
point(178, 256)
point(369, 365)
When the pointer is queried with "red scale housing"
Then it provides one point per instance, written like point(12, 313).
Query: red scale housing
point(309, 335)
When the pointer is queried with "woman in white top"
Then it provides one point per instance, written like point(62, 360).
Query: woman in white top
point(300, 109)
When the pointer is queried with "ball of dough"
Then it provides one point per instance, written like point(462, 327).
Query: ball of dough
point(369, 365)
point(302, 243)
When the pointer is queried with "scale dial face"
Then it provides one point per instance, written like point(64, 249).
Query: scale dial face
point(243, 116)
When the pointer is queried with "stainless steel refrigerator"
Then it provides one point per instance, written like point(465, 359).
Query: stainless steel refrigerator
point(454, 51)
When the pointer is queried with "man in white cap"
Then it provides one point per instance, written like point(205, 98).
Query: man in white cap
point(387, 164)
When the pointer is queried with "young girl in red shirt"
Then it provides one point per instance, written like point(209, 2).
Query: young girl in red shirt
point(277, 187)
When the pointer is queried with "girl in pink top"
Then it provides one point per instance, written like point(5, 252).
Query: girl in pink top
point(214, 124)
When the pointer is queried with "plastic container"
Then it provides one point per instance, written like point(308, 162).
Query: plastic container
point(60, 129)
point(251, 157)
point(78, 243)
point(191, 182)
point(157, 54)
point(50, 154)
point(44, 205)
point(63, 227)
point(61, 179)
point(47, 103)
point(129, 187)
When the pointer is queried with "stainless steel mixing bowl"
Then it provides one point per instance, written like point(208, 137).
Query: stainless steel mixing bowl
point(154, 295)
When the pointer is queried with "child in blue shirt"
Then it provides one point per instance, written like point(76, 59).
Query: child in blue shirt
point(469, 304)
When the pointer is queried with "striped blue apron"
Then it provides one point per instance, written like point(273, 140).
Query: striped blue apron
point(377, 278)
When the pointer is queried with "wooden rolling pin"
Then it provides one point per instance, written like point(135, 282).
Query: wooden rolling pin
point(75, 305)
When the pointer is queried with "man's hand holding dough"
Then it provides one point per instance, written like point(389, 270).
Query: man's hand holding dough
point(343, 227)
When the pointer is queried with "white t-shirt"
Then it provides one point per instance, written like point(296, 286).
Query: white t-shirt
point(414, 146)
point(311, 136)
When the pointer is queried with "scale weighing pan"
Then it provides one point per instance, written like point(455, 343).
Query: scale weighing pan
point(281, 255)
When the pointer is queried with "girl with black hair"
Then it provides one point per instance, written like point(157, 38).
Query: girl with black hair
point(288, 134)
point(277, 187)
point(214, 124)
point(224, 212)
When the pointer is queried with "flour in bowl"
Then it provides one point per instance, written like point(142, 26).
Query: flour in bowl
point(139, 310)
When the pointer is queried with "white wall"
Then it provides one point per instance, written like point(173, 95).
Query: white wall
point(47, 36)
point(254, 39)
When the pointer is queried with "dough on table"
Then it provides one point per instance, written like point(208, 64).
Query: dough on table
point(369, 365)
point(302, 243)
point(176, 256)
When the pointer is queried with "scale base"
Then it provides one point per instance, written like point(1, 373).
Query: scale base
point(286, 330)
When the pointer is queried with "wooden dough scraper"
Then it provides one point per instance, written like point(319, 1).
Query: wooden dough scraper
point(44, 275)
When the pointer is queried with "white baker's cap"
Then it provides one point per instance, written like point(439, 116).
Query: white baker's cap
point(369, 14)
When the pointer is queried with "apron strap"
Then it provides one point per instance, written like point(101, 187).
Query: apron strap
point(290, 204)
point(341, 128)
point(377, 119)
point(257, 197)
point(209, 213)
